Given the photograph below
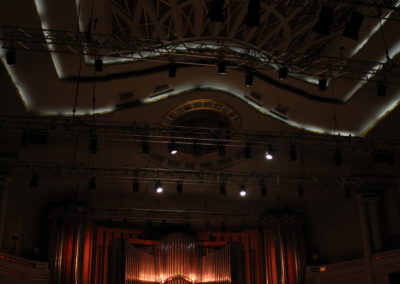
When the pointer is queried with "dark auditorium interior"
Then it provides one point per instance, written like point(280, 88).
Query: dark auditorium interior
point(200, 141)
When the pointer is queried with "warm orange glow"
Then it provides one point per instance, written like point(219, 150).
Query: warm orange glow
point(323, 269)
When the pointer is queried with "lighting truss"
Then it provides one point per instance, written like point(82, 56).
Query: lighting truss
point(205, 52)
point(200, 177)
point(70, 128)
point(177, 216)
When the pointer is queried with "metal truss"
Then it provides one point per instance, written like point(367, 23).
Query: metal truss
point(202, 177)
point(155, 133)
point(204, 52)
point(207, 218)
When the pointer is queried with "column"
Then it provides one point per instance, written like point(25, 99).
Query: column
point(3, 207)
point(366, 238)
point(375, 224)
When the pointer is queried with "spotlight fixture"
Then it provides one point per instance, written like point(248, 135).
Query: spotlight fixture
point(217, 11)
point(179, 187)
point(242, 190)
point(221, 150)
point(248, 79)
point(324, 22)
point(145, 147)
point(292, 153)
point(381, 89)
point(263, 189)
point(283, 71)
point(322, 84)
point(92, 183)
point(98, 65)
point(222, 67)
point(247, 151)
point(222, 188)
point(11, 58)
point(338, 157)
point(93, 144)
point(253, 13)
point(347, 193)
point(353, 26)
point(172, 70)
point(172, 148)
point(135, 185)
point(34, 180)
point(158, 187)
point(300, 190)
point(269, 154)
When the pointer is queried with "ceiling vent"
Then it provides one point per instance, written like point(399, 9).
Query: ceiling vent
point(123, 97)
point(281, 111)
point(161, 89)
point(255, 98)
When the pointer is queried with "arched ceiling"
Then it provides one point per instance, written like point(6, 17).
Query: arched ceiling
point(47, 83)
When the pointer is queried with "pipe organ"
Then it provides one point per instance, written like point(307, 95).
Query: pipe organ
point(83, 252)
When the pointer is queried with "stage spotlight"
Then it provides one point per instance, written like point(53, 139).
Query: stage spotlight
point(247, 151)
point(248, 79)
point(172, 70)
point(34, 180)
point(135, 185)
point(353, 26)
point(263, 189)
point(222, 67)
point(300, 190)
point(347, 193)
point(222, 188)
point(323, 25)
point(338, 157)
point(179, 187)
point(253, 13)
point(217, 11)
point(242, 190)
point(98, 65)
point(158, 187)
point(11, 57)
point(92, 184)
point(93, 144)
point(283, 71)
point(145, 147)
point(322, 84)
point(269, 154)
point(221, 150)
point(381, 89)
point(172, 148)
point(292, 153)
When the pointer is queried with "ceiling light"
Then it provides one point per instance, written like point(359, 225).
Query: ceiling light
point(135, 185)
point(98, 65)
point(92, 184)
point(269, 154)
point(158, 187)
point(263, 189)
point(11, 58)
point(292, 153)
point(222, 188)
point(253, 13)
point(172, 148)
point(222, 67)
point(217, 11)
point(172, 70)
point(179, 187)
point(353, 26)
point(242, 190)
point(381, 89)
point(283, 71)
point(322, 84)
point(324, 22)
point(248, 79)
